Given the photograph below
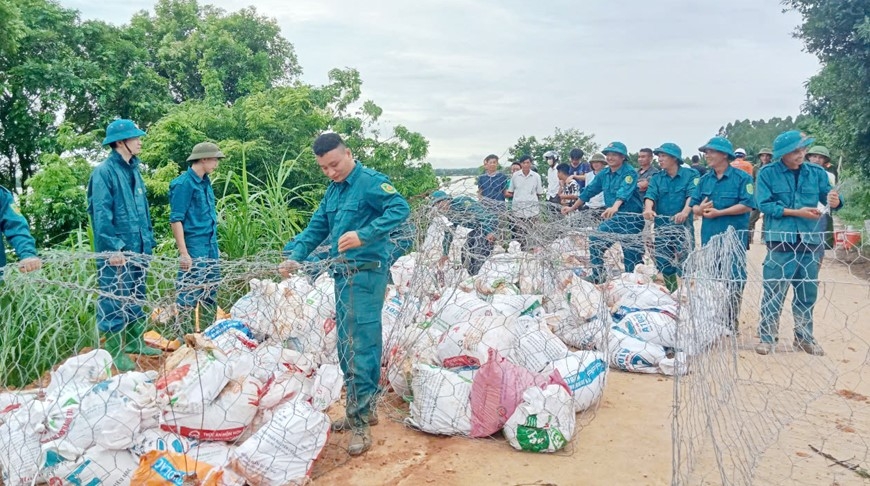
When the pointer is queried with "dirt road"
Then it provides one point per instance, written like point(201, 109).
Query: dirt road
point(628, 440)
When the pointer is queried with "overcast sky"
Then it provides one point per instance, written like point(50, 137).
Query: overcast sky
point(473, 75)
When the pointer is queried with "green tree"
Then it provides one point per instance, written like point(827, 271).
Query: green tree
point(205, 53)
point(561, 142)
point(279, 124)
point(754, 135)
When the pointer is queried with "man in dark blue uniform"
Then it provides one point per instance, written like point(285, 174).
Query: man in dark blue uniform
point(121, 222)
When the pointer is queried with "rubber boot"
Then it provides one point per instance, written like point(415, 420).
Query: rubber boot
point(671, 283)
point(135, 344)
point(115, 345)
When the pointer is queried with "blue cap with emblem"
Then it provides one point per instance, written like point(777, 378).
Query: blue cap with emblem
point(122, 130)
point(617, 148)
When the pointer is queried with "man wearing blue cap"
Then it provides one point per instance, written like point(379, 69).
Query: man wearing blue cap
point(668, 204)
point(121, 223)
point(789, 191)
point(723, 198)
point(358, 213)
point(466, 212)
point(623, 213)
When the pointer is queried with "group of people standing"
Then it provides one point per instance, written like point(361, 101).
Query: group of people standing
point(361, 212)
point(794, 195)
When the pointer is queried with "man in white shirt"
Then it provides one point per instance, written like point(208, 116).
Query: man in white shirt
point(526, 190)
point(553, 181)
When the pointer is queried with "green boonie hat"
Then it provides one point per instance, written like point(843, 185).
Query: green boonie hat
point(765, 151)
point(122, 130)
point(598, 157)
point(820, 150)
point(671, 149)
point(617, 148)
point(205, 150)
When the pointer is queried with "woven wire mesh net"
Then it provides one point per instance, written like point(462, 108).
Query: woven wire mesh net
point(481, 336)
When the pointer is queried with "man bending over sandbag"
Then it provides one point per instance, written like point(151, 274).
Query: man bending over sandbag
point(358, 213)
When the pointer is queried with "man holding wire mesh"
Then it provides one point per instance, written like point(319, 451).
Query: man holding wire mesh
point(789, 191)
point(623, 216)
point(358, 213)
point(121, 221)
point(15, 229)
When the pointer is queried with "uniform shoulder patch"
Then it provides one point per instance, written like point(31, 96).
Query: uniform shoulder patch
point(750, 188)
point(697, 180)
point(629, 179)
point(389, 189)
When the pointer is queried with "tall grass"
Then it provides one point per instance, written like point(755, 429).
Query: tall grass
point(48, 316)
point(260, 216)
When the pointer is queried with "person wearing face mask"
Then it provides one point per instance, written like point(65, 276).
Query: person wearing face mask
point(121, 223)
point(193, 219)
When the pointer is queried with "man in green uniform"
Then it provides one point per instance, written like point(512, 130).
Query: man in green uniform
point(789, 191)
point(121, 223)
point(723, 198)
point(14, 228)
point(358, 213)
point(623, 214)
point(668, 204)
point(466, 212)
point(193, 219)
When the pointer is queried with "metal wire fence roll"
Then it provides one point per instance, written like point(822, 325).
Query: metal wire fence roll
point(492, 326)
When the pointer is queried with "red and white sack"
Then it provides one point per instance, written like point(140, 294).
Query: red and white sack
point(544, 422)
point(468, 343)
point(20, 448)
point(224, 419)
point(283, 451)
point(497, 390)
point(111, 415)
point(585, 373)
point(194, 378)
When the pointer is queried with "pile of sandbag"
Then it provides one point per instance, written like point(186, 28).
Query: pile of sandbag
point(233, 406)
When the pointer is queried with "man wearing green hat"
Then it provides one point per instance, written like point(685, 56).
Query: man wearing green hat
point(789, 192)
point(121, 223)
point(821, 156)
point(764, 156)
point(466, 212)
point(668, 204)
point(723, 198)
point(623, 213)
point(193, 219)
point(358, 213)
